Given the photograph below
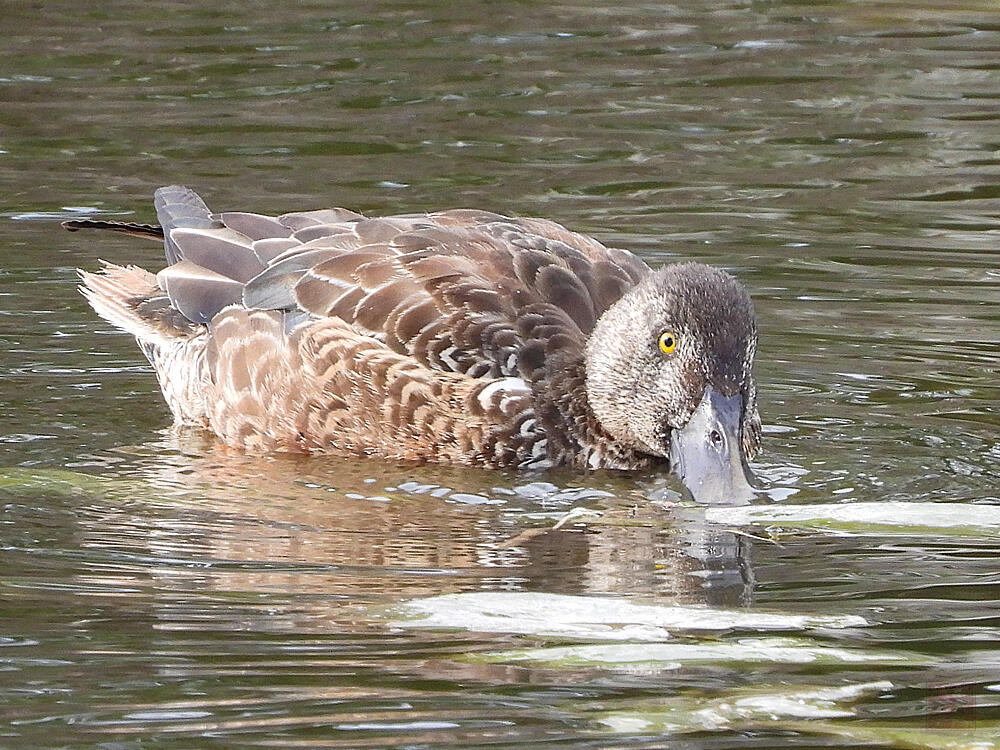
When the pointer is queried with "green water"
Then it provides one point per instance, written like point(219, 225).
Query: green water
point(158, 591)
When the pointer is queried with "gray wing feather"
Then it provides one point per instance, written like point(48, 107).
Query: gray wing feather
point(221, 250)
point(268, 249)
point(321, 231)
point(302, 219)
point(197, 292)
point(274, 287)
point(254, 226)
point(178, 206)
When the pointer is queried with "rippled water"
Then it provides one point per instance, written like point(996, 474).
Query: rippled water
point(842, 158)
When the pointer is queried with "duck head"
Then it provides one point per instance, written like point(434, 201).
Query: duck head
point(670, 373)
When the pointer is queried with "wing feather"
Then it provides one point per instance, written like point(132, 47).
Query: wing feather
point(198, 293)
point(224, 251)
point(462, 291)
point(254, 226)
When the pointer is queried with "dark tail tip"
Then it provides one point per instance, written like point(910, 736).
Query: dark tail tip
point(150, 231)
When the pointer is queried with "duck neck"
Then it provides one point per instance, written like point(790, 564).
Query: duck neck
point(576, 436)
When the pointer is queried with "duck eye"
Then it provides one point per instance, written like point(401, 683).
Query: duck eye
point(668, 342)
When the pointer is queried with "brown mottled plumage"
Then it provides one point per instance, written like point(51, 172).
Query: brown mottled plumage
point(460, 336)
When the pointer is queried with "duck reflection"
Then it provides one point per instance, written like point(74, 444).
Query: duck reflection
point(373, 532)
point(685, 561)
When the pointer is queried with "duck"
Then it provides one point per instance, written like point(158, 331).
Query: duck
point(460, 336)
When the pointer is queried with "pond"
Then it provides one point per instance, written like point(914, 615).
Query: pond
point(841, 158)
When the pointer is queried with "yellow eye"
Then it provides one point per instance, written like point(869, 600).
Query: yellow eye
point(668, 342)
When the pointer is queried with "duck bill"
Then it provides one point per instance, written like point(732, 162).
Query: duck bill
point(707, 453)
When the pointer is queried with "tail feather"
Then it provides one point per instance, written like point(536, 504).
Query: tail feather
point(129, 298)
point(116, 294)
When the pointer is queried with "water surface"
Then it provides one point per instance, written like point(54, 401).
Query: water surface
point(842, 158)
